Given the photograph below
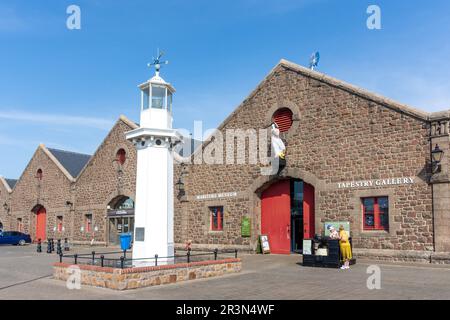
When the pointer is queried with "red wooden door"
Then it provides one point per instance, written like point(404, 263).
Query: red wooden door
point(308, 212)
point(41, 224)
point(276, 216)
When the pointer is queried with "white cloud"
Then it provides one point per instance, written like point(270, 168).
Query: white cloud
point(55, 119)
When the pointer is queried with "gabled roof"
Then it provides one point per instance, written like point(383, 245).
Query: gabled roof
point(388, 103)
point(183, 148)
point(8, 183)
point(73, 162)
point(123, 119)
point(11, 182)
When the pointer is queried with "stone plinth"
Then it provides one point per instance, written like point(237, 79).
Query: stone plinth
point(133, 278)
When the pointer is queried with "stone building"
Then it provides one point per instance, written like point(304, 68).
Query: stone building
point(6, 186)
point(353, 157)
point(105, 189)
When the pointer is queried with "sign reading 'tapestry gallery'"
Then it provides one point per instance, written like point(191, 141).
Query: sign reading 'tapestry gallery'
point(375, 183)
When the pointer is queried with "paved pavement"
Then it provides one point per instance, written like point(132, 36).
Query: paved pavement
point(25, 274)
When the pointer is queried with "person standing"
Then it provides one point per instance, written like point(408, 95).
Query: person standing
point(346, 250)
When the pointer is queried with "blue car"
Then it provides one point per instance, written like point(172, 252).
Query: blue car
point(14, 238)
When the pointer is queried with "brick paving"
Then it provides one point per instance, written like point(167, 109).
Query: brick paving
point(25, 274)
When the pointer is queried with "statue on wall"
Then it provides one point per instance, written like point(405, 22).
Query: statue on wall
point(278, 149)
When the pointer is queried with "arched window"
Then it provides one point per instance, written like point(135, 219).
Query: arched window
point(39, 174)
point(126, 203)
point(283, 118)
point(121, 156)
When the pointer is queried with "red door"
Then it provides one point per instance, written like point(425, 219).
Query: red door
point(41, 224)
point(276, 216)
point(308, 211)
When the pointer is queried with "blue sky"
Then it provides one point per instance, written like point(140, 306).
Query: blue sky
point(65, 88)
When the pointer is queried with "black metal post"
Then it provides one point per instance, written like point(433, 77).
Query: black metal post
point(125, 253)
point(188, 257)
point(235, 253)
point(102, 258)
point(75, 257)
point(60, 257)
point(39, 246)
point(52, 245)
point(49, 246)
point(58, 247)
point(156, 260)
point(122, 260)
point(215, 253)
point(93, 257)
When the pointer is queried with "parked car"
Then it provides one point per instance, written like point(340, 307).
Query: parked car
point(14, 238)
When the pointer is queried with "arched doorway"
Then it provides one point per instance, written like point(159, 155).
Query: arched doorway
point(120, 218)
point(287, 215)
point(41, 223)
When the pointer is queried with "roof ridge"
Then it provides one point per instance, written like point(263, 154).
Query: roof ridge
point(354, 89)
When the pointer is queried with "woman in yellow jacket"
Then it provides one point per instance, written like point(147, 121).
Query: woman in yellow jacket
point(346, 250)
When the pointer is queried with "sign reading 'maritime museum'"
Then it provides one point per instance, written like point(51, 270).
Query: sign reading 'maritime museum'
point(375, 183)
point(216, 195)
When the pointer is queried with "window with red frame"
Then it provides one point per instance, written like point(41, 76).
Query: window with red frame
point(39, 174)
point(216, 214)
point(121, 156)
point(88, 222)
point(376, 213)
point(59, 225)
point(19, 225)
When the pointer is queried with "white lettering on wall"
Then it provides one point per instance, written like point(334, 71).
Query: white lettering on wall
point(216, 195)
point(375, 183)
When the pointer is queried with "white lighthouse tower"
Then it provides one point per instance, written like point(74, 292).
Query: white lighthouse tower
point(153, 234)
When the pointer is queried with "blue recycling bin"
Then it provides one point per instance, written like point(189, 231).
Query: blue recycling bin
point(125, 241)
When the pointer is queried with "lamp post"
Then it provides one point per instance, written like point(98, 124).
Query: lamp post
point(6, 207)
point(180, 187)
point(436, 158)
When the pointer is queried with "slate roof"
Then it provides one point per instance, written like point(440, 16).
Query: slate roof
point(183, 149)
point(11, 182)
point(73, 162)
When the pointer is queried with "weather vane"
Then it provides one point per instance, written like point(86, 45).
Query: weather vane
point(314, 60)
point(157, 62)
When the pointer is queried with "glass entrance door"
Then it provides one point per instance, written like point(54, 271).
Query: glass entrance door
point(119, 225)
point(297, 216)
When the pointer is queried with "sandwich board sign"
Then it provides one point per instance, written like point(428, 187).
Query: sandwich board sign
point(264, 240)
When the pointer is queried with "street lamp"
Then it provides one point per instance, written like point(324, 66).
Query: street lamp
point(436, 157)
point(180, 187)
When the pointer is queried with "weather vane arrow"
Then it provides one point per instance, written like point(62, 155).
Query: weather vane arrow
point(157, 61)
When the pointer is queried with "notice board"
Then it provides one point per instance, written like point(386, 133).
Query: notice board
point(265, 246)
point(245, 227)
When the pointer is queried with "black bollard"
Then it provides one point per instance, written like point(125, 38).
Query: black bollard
point(39, 246)
point(52, 244)
point(58, 247)
point(66, 245)
point(49, 246)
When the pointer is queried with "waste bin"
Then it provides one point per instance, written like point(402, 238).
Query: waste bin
point(125, 241)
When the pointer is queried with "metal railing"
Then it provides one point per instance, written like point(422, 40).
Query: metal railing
point(101, 259)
